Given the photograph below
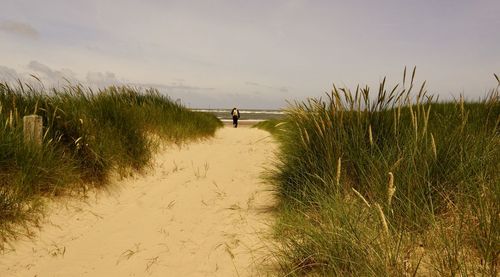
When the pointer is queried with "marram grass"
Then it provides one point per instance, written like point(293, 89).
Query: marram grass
point(87, 136)
point(393, 185)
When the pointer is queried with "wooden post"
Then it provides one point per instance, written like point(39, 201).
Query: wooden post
point(32, 127)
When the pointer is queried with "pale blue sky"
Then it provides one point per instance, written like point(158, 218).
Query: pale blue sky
point(253, 53)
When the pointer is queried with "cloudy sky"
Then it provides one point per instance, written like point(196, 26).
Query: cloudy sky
point(252, 54)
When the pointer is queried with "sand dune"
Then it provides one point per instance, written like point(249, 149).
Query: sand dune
point(202, 211)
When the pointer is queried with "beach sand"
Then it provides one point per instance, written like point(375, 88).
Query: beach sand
point(202, 210)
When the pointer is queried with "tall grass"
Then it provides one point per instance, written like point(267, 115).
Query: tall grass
point(270, 125)
point(399, 184)
point(87, 135)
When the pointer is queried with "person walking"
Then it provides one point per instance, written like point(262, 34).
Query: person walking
point(236, 115)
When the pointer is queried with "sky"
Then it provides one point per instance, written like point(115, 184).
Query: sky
point(252, 54)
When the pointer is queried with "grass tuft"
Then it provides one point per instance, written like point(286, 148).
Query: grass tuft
point(417, 193)
point(87, 136)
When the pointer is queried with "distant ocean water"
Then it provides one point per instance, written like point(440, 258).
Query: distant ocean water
point(245, 115)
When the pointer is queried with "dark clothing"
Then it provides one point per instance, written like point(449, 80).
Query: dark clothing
point(236, 115)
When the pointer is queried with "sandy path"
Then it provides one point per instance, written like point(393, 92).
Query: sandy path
point(200, 212)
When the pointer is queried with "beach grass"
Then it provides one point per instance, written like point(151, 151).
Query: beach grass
point(395, 184)
point(271, 125)
point(87, 136)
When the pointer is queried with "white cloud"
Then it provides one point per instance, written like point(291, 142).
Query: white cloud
point(102, 79)
point(8, 74)
point(52, 77)
point(191, 95)
point(289, 48)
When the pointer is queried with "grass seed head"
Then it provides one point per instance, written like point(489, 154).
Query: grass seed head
point(339, 165)
point(11, 119)
point(391, 189)
point(382, 219)
point(370, 134)
point(361, 197)
point(434, 150)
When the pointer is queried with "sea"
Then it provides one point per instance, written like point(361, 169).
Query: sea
point(246, 115)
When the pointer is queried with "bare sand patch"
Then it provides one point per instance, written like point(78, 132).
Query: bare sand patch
point(201, 211)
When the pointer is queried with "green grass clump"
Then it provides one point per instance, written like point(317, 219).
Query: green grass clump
point(271, 125)
point(398, 185)
point(87, 136)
